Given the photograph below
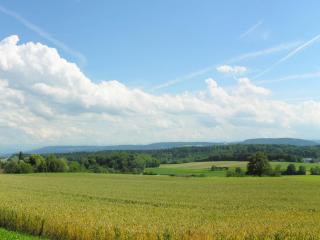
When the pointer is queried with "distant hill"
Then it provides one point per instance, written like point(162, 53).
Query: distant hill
point(281, 141)
point(153, 146)
point(169, 145)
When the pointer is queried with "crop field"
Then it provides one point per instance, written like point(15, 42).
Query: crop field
point(112, 206)
point(203, 168)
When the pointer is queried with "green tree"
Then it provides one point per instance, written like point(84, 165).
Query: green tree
point(258, 165)
point(12, 167)
point(20, 156)
point(25, 167)
point(56, 165)
point(38, 162)
point(74, 166)
point(276, 172)
point(315, 171)
point(291, 169)
point(302, 170)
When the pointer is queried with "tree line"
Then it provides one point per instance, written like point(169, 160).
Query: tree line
point(115, 162)
point(230, 152)
point(237, 152)
point(259, 165)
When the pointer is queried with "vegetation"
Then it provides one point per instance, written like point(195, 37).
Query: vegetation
point(205, 168)
point(136, 161)
point(237, 172)
point(236, 152)
point(8, 235)
point(259, 165)
point(114, 206)
point(291, 170)
point(315, 170)
point(113, 162)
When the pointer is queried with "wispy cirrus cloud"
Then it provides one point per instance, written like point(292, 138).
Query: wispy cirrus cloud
point(239, 58)
point(186, 77)
point(79, 56)
point(265, 52)
point(292, 77)
point(251, 29)
point(295, 51)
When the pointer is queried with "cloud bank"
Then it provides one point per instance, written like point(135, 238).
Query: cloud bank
point(44, 99)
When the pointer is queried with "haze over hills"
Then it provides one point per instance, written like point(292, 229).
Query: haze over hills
point(168, 145)
point(281, 141)
point(152, 146)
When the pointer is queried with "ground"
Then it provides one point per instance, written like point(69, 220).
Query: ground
point(114, 206)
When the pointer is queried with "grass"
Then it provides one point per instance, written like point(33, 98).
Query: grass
point(8, 235)
point(203, 168)
point(91, 206)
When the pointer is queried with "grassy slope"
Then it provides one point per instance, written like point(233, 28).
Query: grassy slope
point(106, 206)
point(198, 168)
point(8, 235)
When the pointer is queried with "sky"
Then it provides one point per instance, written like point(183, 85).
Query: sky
point(76, 72)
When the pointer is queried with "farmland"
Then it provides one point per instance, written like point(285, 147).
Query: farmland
point(203, 168)
point(113, 206)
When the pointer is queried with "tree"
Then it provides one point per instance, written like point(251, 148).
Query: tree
point(38, 162)
point(56, 165)
point(74, 167)
point(12, 167)
point(21, 157)
point(291, 169)
point(315, 171)
point(276, 172)
point(302, 170)
point(258, 165)
point(25, 167)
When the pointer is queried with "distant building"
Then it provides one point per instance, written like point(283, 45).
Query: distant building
point(307, 160)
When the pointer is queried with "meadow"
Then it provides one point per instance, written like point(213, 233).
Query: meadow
point(114, 206)
point(203, 168)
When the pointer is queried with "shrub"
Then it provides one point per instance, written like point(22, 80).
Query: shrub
point(238, 172)
point(302, 170)
point(276, 172)
point(215, 168)
point(315, 171)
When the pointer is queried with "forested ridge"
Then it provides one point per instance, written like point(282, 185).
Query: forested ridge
point(229, 152)
point(237, 152)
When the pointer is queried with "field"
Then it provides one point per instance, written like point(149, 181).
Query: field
point(8, 235)
point(111, 206)
point(203, 168)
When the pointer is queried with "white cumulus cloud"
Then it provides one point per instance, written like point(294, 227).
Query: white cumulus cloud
point(45, 100)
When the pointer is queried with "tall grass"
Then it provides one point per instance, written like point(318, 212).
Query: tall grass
point(88, 206)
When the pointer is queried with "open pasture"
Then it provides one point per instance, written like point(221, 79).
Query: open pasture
point(91, 206)
point(203, 168)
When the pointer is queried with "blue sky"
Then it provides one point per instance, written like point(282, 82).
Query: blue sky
point(171, 47)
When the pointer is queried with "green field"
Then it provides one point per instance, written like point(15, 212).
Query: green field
point(8, 235)
point(203, 168)
point(114, 206)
